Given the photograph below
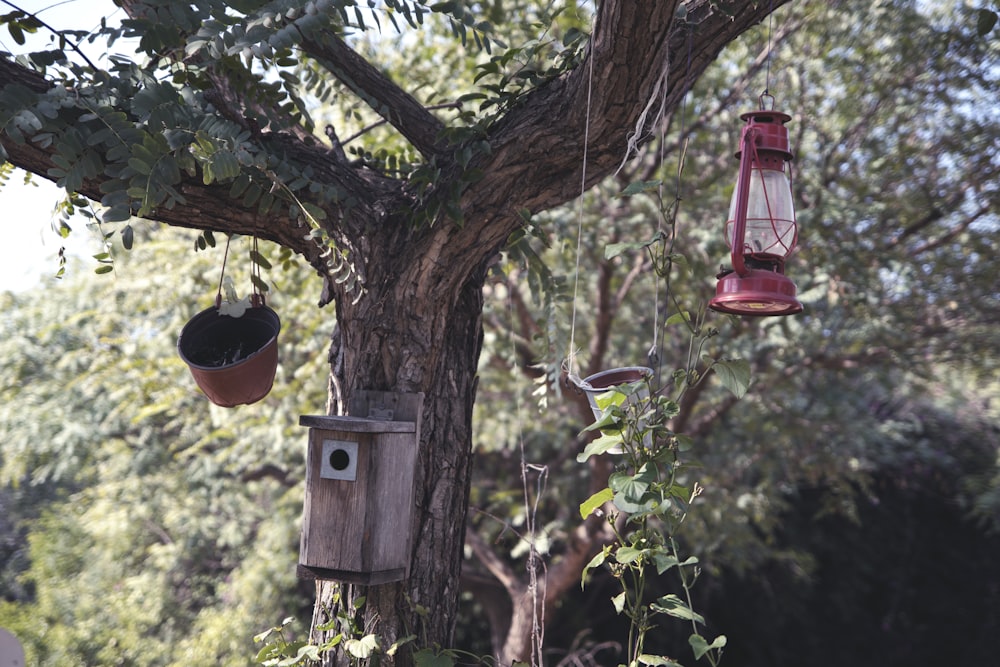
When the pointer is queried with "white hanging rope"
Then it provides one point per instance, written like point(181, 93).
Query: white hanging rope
point(659, 93)
point(571, 355)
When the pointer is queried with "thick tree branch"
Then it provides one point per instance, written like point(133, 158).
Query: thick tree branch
point(498, 567)
point(954, 232)
point(420, 127)
point(635, 58)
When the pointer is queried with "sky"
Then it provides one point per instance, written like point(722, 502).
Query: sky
point(31, 256)
point(32, 247)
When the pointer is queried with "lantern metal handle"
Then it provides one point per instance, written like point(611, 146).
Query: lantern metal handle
point(742, 200)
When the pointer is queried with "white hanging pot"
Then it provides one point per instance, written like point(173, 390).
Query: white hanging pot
point(598, 383)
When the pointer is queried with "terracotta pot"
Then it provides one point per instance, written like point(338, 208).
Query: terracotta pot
point(233, 359)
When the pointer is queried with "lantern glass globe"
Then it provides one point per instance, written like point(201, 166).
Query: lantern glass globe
point(770, 226)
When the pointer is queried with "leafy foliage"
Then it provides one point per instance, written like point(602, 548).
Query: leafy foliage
point(162, 529)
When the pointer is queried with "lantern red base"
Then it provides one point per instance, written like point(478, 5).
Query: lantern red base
point(760, 292)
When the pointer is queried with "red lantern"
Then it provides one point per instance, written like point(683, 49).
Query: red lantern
point(761, 229)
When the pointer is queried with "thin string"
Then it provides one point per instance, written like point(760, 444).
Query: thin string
point(683, 127)
point(571, 357)
point(255, 273)
point(222, 273)
point(770, 31)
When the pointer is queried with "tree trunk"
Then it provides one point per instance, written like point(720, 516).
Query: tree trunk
point(417, 329)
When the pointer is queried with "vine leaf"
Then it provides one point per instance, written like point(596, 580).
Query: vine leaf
point(590, 505)
point(637, 187)
point(596, 561)
point(674, 606)
point(701, 646)
point(735, 375)
point(612, 250)
point(601, 445)
point(647, 659)
point(364, 647)
point(678, 317)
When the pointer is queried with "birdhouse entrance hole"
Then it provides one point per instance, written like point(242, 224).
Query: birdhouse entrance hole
point(339, 460)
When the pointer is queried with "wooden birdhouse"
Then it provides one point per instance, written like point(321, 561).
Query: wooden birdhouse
point(359, 490)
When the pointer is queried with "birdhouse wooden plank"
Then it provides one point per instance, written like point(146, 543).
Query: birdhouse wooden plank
point(357, 519)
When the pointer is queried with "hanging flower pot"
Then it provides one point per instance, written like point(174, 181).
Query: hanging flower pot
point(232, 348)
point(232, 359)
point(599, 383)
point(598, 386)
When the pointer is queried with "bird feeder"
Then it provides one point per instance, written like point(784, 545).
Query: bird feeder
point(359, 490)
point(761, 230)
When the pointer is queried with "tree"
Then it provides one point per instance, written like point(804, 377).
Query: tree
point(204, 136)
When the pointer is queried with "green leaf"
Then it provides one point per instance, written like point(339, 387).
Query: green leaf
point(677, 318)
point(313, 211)
point(596, 561)
point(261, 636)
point(591, 504)
point(700, 646)
point(259, 259)
point(985, 21)
point(612, 250)
point(637, 187)
point(628, 555)
point(128, 237)
point(269, 651)
point(633, 487)
point(601, 445)
point(735, 375)
point(636, 507)
point(15, 31)
point(362, 648)
point(663, 562)
point(117, 213)
point(647, 659)
point(139, 166)
point(303, 651)
point(612, 397)
point(399, 643)
point(260, 284)
point(674, 606)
